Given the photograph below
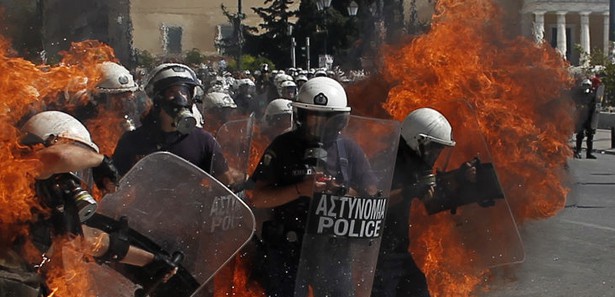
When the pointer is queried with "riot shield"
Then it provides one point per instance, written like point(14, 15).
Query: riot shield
point(173, 207)
point(347, 210)
point(472, 214)
point(264, 133)
point(598, 108)
point(234, 138)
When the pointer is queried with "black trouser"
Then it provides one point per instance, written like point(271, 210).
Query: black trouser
point(326, 268)
point(398, 276)
point(276, 268)
point(590, 140)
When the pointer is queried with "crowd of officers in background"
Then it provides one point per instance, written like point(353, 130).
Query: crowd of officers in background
point(230, 95)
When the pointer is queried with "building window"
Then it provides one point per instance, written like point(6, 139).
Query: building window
point(223, 36)
point(172, 39)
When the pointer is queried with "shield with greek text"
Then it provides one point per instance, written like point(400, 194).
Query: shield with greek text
point(352, 180)
point(172, 207)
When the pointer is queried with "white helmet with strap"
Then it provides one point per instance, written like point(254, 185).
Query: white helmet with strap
point(46, 126)
point(278, 107)
point(322, 94)
point(169, 74)
point(426, 125)
point(115, 79)
point(218, 100)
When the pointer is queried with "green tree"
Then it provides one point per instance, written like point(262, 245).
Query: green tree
point(597, 59)
point(144, 59)
point(251, 63)
point(330, 30)
point(194, 57)
point(274, 26)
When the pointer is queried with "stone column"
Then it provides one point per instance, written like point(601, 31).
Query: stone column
point(539, 26)
point(561, 33)
point(605, 34)
point(585, 36)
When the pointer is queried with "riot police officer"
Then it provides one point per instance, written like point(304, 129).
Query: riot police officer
point(425, 133)
point(170, 124)
point(64, 148)
point(284, 180)
point(585, 100)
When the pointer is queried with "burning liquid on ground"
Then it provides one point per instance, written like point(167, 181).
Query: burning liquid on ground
point(516, 92)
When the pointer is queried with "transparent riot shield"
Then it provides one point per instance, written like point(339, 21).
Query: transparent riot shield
point(469, 211)
point(234, 138)
point(353, 175)
point(598, 107)
point(171, 206)
point(265, 131)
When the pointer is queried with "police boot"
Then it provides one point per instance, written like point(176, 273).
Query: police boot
point(577, 148)
point(590, 147)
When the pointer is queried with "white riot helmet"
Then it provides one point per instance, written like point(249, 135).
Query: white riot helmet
point(320, 73)
point(321, 110)
point(277, 107)
point(426, 126)
point(46, 126)
point(301, 78)
point(115, 79)
point(246, 86)
point(322, 94)
point(278, 117)
point(218, 100)
point(288, 90)
point(179, 102)
point(169, 74)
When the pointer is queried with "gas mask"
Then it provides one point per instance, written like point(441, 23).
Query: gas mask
point(320, 126)
point(176, 101)
point(62, 190)
point(430, 152)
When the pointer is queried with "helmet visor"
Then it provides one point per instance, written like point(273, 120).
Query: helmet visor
point(430, 151)
point(289, 92)
point(180, 95)
point(321, 126)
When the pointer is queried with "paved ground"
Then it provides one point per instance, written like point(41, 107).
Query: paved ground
point(573, 253)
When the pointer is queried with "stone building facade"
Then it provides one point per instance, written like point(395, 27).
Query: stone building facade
point(165, 27)
point(568, 25)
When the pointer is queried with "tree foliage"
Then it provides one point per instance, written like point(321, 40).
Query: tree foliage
point(274, 41)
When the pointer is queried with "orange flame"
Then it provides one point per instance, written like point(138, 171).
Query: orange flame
point(106, 129)
point(29, 89)
point(234, 278)
point(517, 89)
point(67, 275)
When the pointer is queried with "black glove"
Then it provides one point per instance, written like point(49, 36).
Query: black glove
point(161, 265)
point(106, 170)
